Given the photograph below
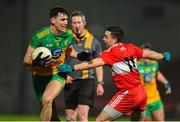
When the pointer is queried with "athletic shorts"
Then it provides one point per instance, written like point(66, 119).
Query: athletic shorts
point(40, 82)
point(127, 102)
point(150, 108)
point(80, 92)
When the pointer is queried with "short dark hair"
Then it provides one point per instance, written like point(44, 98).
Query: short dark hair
point(146, 46)
point(78, 13)
point(57, 10)
point(116, 32)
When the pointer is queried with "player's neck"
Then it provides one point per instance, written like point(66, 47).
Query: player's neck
point(54, 30)
point(115, 44)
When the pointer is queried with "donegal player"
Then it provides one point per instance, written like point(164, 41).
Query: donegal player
point(149, 72)
point(47, 80)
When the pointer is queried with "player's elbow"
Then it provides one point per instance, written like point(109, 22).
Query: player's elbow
point(26, 62)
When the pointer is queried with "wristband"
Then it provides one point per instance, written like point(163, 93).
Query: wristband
point(100, 82)
point(167, 84)
point(167, 56)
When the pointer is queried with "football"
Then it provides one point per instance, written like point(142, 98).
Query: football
point(46, 52)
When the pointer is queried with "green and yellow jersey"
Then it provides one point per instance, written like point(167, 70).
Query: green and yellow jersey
point(148, 74)
point(46, 38)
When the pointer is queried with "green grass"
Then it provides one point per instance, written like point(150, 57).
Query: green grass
point(36, 118)
point(19, 118)
point(23, 118)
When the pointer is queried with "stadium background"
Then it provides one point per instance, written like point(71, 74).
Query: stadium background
point(154, 21)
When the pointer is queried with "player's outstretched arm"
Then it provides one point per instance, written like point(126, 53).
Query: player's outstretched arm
point(89, 64)
point(156, 55)
point(84, 65)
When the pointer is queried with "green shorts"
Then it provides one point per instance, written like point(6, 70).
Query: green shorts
point(153, 107)
point(40, 82)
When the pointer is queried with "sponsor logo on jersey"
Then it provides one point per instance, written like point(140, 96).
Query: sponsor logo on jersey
point(122, 48)
point(49, 45)
point(57, 43)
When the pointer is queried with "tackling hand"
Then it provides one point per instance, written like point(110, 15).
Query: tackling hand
point(167, 56)
point(38, 61)
point(65, 68)
point(85, 56)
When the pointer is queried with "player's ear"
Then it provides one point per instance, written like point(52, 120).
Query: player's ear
point(84, 23)
point(115, 40)
point(53, 20)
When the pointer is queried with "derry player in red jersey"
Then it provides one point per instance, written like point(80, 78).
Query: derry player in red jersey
point(131, 96)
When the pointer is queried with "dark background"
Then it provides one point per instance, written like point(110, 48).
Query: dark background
point(154, 21)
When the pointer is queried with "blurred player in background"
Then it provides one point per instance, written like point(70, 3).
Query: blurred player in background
point(79, 93)
point(47, 80)
point(122, 58)
point(149, 72)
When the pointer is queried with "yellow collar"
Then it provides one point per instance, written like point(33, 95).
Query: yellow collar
point(87, 34)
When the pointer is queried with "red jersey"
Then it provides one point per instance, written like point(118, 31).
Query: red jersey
point(123, 60)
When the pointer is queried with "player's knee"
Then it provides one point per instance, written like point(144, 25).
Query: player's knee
point(47, 100)
point(70, 116)
point(99, 118)
point(82, 116)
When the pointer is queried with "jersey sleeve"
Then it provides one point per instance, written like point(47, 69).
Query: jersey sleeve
point(69, 43)
point(107, 57)
point(35, 42)
point(138, 51)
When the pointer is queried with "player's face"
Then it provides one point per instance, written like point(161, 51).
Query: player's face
point(60, 22)
point(78, 25)
point(108, 39)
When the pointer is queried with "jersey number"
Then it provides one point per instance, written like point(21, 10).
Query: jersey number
point(130, 62)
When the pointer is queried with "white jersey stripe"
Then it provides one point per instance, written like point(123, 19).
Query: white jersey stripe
point(122, 67)
point(118, 99)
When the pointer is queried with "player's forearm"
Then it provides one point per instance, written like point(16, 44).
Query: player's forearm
point(28, 56)
point(152, 55)
point(99, 73)
point(27, 60)
point(84, 65)
point(89, 64)
point(161, 78)
point(73, 53)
